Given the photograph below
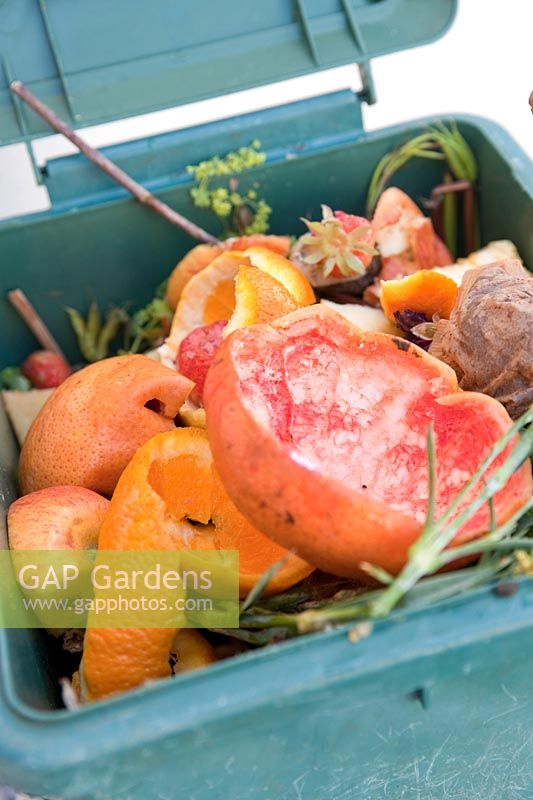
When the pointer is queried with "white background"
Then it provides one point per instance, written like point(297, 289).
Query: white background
point(484, 65)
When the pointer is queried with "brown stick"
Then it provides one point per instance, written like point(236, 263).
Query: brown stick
point(468, 218)
point(116, 173)
point(435, 204)
point(22, 305)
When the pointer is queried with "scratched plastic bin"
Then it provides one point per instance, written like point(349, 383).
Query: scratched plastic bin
point(434, 704)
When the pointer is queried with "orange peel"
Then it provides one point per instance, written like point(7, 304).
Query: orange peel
point(202, 255)
point(216, 294)
point(190, 651)
point(426, 291)
point(170, 497)
point(259, 297)
point(208, 297)
point(284, 271)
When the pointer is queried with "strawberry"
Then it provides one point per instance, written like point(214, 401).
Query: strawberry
point(196, 353)
point(340, 246)
point(45, 369)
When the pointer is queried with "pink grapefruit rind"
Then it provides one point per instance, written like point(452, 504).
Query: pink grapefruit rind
point(325, 451)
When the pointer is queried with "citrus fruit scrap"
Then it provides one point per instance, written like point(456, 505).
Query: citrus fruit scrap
point(189, 651)
point(208, 297)
point(211, 296)
point(426, 292)
point(318, 431)
point(203, 254)
point(269, 241)
point(94, 422)
point(190, 265)
point(259, 297)
point(170, 497)
point(284, 271)
point(235, 290)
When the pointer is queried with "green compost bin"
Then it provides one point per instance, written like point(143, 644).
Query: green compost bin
point(435, 703)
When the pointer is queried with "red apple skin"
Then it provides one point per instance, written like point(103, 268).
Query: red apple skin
point(56, 518)
point(45, 369)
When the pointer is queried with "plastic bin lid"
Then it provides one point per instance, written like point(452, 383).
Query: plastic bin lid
point(102, 60)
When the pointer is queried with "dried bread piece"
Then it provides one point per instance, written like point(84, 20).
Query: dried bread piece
point(488, 339)
point(23, 407)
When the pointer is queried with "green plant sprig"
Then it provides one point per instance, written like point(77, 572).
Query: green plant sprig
point(503, 538)
point(239, 213)
point(438, 143)
point(423, 146)
point(266, 627)
point(260, 587)
point(149, 325)
point(93, 334)
point(309, 594)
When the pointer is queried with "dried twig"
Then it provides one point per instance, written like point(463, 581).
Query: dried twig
point(439, 196)
point(102, 162)
point(22, 305)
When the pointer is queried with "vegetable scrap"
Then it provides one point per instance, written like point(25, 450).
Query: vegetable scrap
point(22, 407)
point(149, 326)
point(93, 335)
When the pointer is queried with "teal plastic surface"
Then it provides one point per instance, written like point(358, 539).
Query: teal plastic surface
point(433, 704)
point(160, 161)
point(106, 59)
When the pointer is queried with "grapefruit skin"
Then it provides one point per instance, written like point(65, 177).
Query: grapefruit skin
point(92, 425)
point(342, 483)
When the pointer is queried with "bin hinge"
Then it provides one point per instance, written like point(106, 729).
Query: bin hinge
point(367, 93)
